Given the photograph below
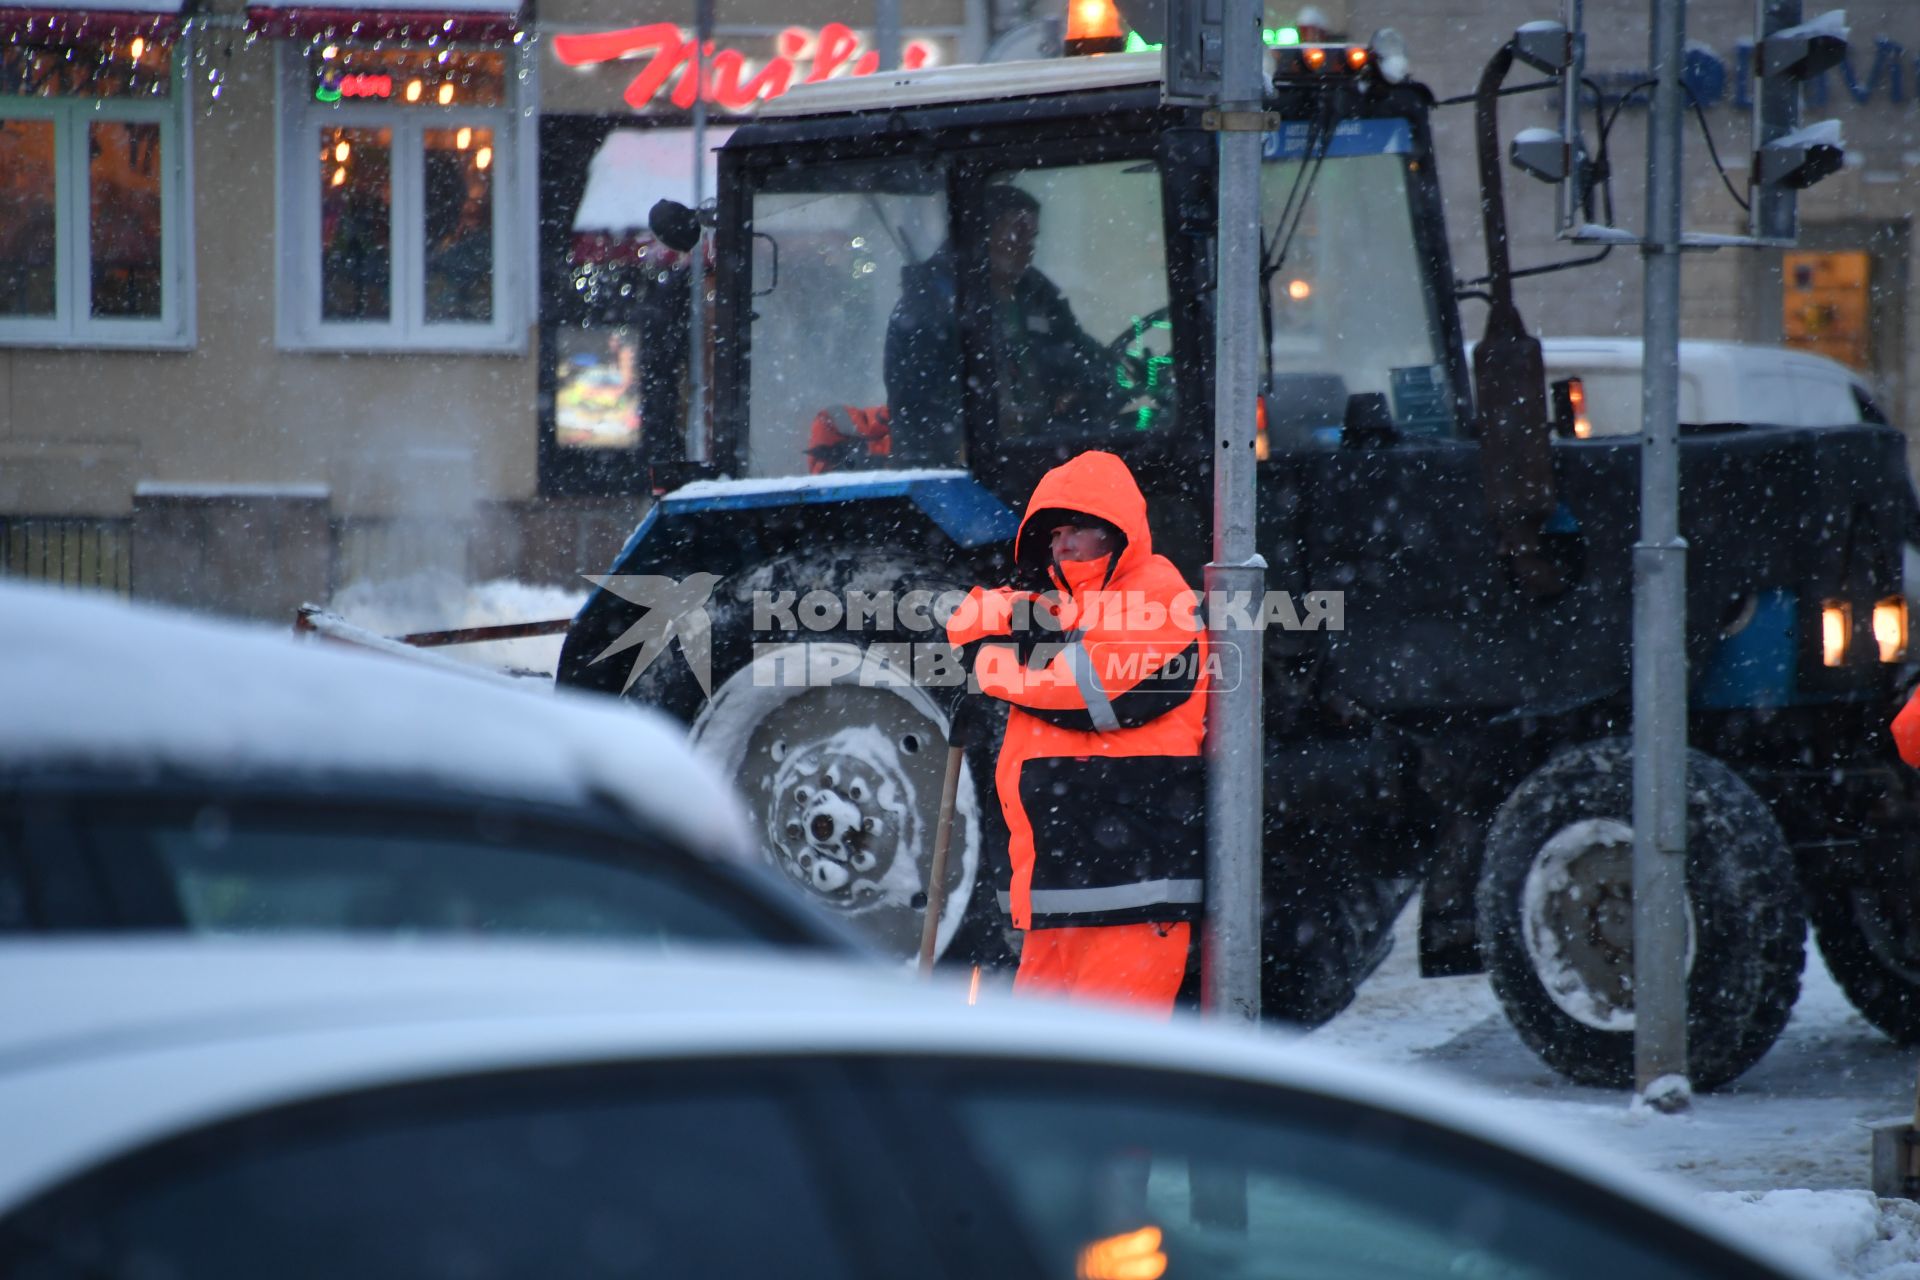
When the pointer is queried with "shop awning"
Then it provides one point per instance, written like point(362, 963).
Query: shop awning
point(72, 20)
point(378, 20)
point(636, 167)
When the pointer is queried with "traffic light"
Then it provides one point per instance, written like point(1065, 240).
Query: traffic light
point(1786, 156)
point(1554, 154)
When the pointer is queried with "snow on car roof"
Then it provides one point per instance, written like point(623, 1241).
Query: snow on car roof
point(214, 1028)
point(90, 681)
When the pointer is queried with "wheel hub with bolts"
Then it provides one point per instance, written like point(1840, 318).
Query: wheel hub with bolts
point(1577, 918)
point(842, 771)
point(837, 810)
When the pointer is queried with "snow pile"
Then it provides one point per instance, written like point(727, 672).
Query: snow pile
point(1830, 1233)
point(443, 602)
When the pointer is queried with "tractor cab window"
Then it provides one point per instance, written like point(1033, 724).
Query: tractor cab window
point(1075, 270)
point(1348, 304)
point(838, 251)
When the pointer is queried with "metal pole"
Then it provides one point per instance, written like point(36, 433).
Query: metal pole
point(886, 33)
point(1660, 604)
point(1231, 957)
point(696, 450)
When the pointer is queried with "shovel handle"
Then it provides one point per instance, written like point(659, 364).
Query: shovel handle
point(937, 873)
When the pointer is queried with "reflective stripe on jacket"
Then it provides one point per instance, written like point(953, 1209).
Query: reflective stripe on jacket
point(1099, 774)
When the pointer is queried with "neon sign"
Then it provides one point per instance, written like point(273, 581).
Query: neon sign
point(730, 81)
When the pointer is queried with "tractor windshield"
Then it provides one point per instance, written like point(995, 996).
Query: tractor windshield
point(832, 246)
point(1350, 304)
point(861, 296)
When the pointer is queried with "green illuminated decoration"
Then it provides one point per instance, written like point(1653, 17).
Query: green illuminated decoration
point(323, 94)
point(1272, 37)
point(1159, 370)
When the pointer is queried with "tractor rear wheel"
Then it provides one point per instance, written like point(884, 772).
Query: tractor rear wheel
point(1555, 907)
point(838, 752)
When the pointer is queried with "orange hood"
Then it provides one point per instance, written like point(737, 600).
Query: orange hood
point(1095, 484)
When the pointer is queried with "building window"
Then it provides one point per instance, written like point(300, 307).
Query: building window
point(398, 211)
point(92, 193)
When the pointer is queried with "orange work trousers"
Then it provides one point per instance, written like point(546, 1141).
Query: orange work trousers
point(1139, 965)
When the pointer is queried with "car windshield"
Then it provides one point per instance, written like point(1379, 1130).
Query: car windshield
point(250, 868)
point(1112, 1176)
point(1349, 301)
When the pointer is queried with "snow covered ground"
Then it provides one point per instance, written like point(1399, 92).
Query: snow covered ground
point(1782, 1152)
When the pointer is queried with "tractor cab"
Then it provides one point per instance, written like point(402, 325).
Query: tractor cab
point(994, 267)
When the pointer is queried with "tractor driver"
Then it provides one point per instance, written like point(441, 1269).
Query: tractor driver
point(1049, 374)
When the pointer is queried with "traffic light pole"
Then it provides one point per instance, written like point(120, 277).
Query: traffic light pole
point(1659, 609)
point(1231, 957)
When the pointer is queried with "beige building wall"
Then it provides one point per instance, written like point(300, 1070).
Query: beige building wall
point(244, 477)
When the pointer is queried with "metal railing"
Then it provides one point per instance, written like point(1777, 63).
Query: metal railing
point(74, 551)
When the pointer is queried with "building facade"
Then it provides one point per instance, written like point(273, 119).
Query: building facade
point(294, 295)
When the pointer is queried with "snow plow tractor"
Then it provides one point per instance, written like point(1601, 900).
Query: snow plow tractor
point(1449, 716)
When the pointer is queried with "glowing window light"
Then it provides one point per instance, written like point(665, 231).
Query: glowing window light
point(331, 52)
point(464, 138)
point(483, 157)
point(340, 176)
point(414, 88)
point(138, 47)
point(341, 150)
point(446, 94)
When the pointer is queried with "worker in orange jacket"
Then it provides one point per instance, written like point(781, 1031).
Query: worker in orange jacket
point(1099, 774)
point(1906, 730)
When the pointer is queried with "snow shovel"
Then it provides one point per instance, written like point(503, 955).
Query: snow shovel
point(1896, 1157)
point(959, 729)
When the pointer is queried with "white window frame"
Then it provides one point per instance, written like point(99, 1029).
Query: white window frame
point(72, 323)
point(299, 120)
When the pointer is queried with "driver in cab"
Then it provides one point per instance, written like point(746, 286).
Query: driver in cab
point(1049, 373)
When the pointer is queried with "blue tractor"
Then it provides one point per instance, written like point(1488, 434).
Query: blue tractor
point(1450, 715)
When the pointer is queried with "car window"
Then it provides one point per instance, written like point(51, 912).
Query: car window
point(246, 869)
point(1613, 399)
point(1869, 409)
point(1825, 400)
point(1206, 1181)
point(546, 1174)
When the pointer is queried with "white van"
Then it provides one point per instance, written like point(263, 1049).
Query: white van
point(1719, 382)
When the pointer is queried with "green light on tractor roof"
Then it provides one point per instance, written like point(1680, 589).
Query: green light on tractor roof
point(1272, 37)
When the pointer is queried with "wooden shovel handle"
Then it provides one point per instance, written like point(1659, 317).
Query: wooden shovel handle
point(937, 873)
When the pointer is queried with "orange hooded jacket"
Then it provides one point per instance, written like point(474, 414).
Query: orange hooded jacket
point(1099, 774)
point(1906, 730)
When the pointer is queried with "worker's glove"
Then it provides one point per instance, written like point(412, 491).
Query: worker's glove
point(982, 614)
point(972, 719)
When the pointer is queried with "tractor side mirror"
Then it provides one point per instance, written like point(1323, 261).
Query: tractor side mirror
point(1368, 423)
point(674, 225)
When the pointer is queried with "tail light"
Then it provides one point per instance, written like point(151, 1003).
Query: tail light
point(1836, 630)
point(1890, 628)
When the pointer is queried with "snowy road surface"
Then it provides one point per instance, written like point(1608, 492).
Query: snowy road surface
point(1783, 1151)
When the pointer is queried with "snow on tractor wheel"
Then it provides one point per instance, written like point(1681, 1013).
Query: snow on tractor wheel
point(1555, 907)
point(838, 753)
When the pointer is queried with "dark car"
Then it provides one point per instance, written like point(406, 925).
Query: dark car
point(165, 772)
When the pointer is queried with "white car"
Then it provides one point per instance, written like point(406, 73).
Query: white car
point(293, 1109)
point(1720, 382)
point(163, 771)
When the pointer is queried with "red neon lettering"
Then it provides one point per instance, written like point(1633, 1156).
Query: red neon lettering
point(361, 85)
point(729, 81)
